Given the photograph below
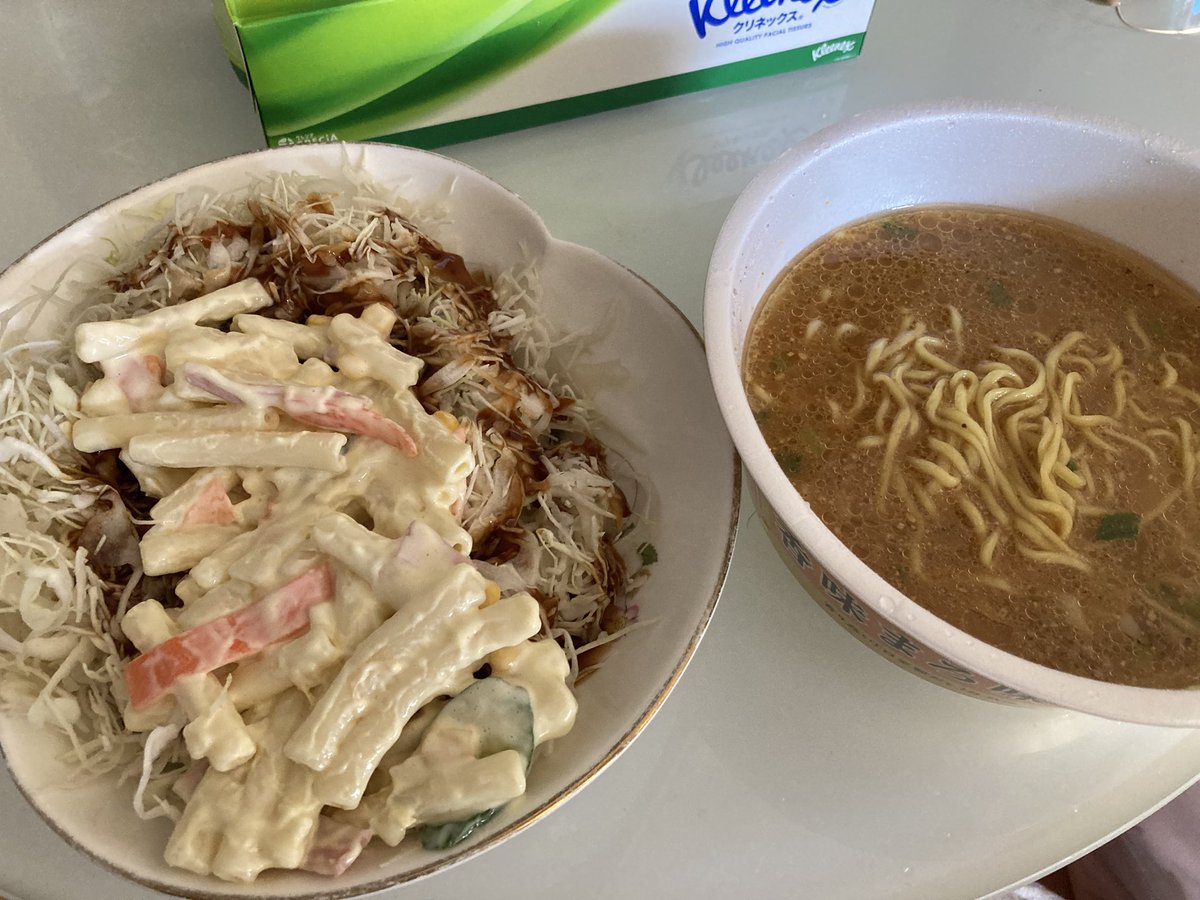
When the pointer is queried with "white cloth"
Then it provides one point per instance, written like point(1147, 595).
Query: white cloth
point(1158, 859)
point(1030, 892)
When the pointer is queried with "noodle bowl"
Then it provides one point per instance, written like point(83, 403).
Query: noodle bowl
point(979, 449)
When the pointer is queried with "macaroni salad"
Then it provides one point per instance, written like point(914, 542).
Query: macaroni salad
point(325, 540)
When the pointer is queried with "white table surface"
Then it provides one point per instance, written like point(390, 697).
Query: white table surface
point(790, 761)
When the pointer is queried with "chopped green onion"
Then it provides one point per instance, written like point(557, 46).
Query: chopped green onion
point(1166, 591)
point(777, 363)
point(1143, 656)
point(788, 461)
point(1072, 465)
point(114, 255)
point(898, 230)
point(648, 553)
point(1121, 526)
point(809, 440)
point(998, 295)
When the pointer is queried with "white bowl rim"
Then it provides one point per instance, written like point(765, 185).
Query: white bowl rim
point(1150, 706)
point(704, 611)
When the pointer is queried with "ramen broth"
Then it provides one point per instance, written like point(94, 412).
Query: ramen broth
point(1113, 590)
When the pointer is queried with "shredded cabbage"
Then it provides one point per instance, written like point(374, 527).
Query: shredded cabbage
point(59, 660)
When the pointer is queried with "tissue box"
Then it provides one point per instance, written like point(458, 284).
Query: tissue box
point(434, 72)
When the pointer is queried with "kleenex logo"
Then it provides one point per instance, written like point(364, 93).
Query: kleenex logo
point(715, 13)
point(833, 47)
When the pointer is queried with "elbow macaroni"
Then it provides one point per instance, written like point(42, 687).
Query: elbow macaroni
point(250, 497)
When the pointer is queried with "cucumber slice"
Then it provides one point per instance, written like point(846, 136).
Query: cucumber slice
point(443, 837)
point(504, 718)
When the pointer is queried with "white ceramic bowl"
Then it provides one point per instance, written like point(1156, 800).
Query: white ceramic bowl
point(1134, 187)
point(643, 366)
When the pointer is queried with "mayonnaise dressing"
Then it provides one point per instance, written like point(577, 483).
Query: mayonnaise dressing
point(275, 447)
